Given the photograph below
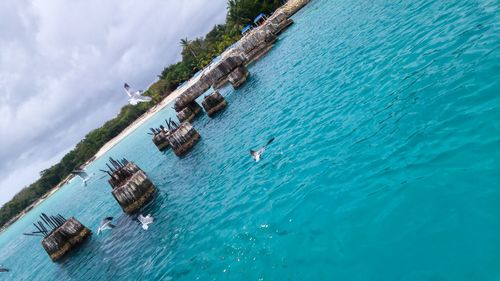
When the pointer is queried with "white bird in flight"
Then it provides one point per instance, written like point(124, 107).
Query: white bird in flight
point(257, 155)
point(105, 224)
point(145, 220)
point(135, 97)
point(83, 175)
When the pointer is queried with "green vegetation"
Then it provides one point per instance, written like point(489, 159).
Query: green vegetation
point(196, 54)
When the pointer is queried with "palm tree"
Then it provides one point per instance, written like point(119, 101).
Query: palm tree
point(185, 45)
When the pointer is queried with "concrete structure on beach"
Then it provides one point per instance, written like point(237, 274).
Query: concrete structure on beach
point(60, 236)
point(132, 188)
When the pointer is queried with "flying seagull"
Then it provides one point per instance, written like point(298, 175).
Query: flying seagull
point(135, 97)
point(145, 221)
point(105, 224)
point(83, 175)
point(257, 155)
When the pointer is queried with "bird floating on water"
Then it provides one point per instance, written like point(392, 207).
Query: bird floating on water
point(135, 96)
point(83, 175)
point(145, 220)
point(3, 269)
point(257, 155)
point(105, 224)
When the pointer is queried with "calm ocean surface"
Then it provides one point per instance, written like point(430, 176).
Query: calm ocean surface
point(386, 163)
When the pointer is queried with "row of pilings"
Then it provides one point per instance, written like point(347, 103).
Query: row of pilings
point(232, 66)
point(131, 187)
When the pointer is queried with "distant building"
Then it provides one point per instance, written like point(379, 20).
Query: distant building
point(260, 19)
point(246, 29)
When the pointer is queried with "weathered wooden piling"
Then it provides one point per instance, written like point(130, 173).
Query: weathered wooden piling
point(214, 103)
point(293, 6)
point(64, 238)
point(132, 188)
point(60, 236)
point(160, 138)
point(182, 138)
point(189, 112)
point(238, 77)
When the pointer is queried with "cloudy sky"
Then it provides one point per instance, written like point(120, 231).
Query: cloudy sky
point(63, 63)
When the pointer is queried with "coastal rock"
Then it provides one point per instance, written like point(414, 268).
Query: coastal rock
point(214, 103)
point(65, 238)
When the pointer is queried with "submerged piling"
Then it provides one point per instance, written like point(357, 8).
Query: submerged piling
point(238, 77)
point(214, 103)
point(189, 112)
point(132, 188)
point(60, 236)
point(182, 138)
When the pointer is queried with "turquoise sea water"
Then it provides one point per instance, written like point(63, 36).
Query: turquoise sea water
point(386, 163)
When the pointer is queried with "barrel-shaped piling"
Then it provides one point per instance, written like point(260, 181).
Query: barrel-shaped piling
point(64, 238)
point(132, 188)
point(238, 77)
point(214, 103)
point(134, 193)
point(183, 138)
point(161, 141)
point(189, 112)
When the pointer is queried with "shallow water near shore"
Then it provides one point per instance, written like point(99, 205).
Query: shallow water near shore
point(385, 166)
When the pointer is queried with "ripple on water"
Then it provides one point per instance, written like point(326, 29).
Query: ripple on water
point(385, 164)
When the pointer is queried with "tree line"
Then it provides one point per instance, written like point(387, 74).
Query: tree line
point(196, 54)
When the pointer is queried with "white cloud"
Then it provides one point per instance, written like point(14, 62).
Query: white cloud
point(59, 59)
